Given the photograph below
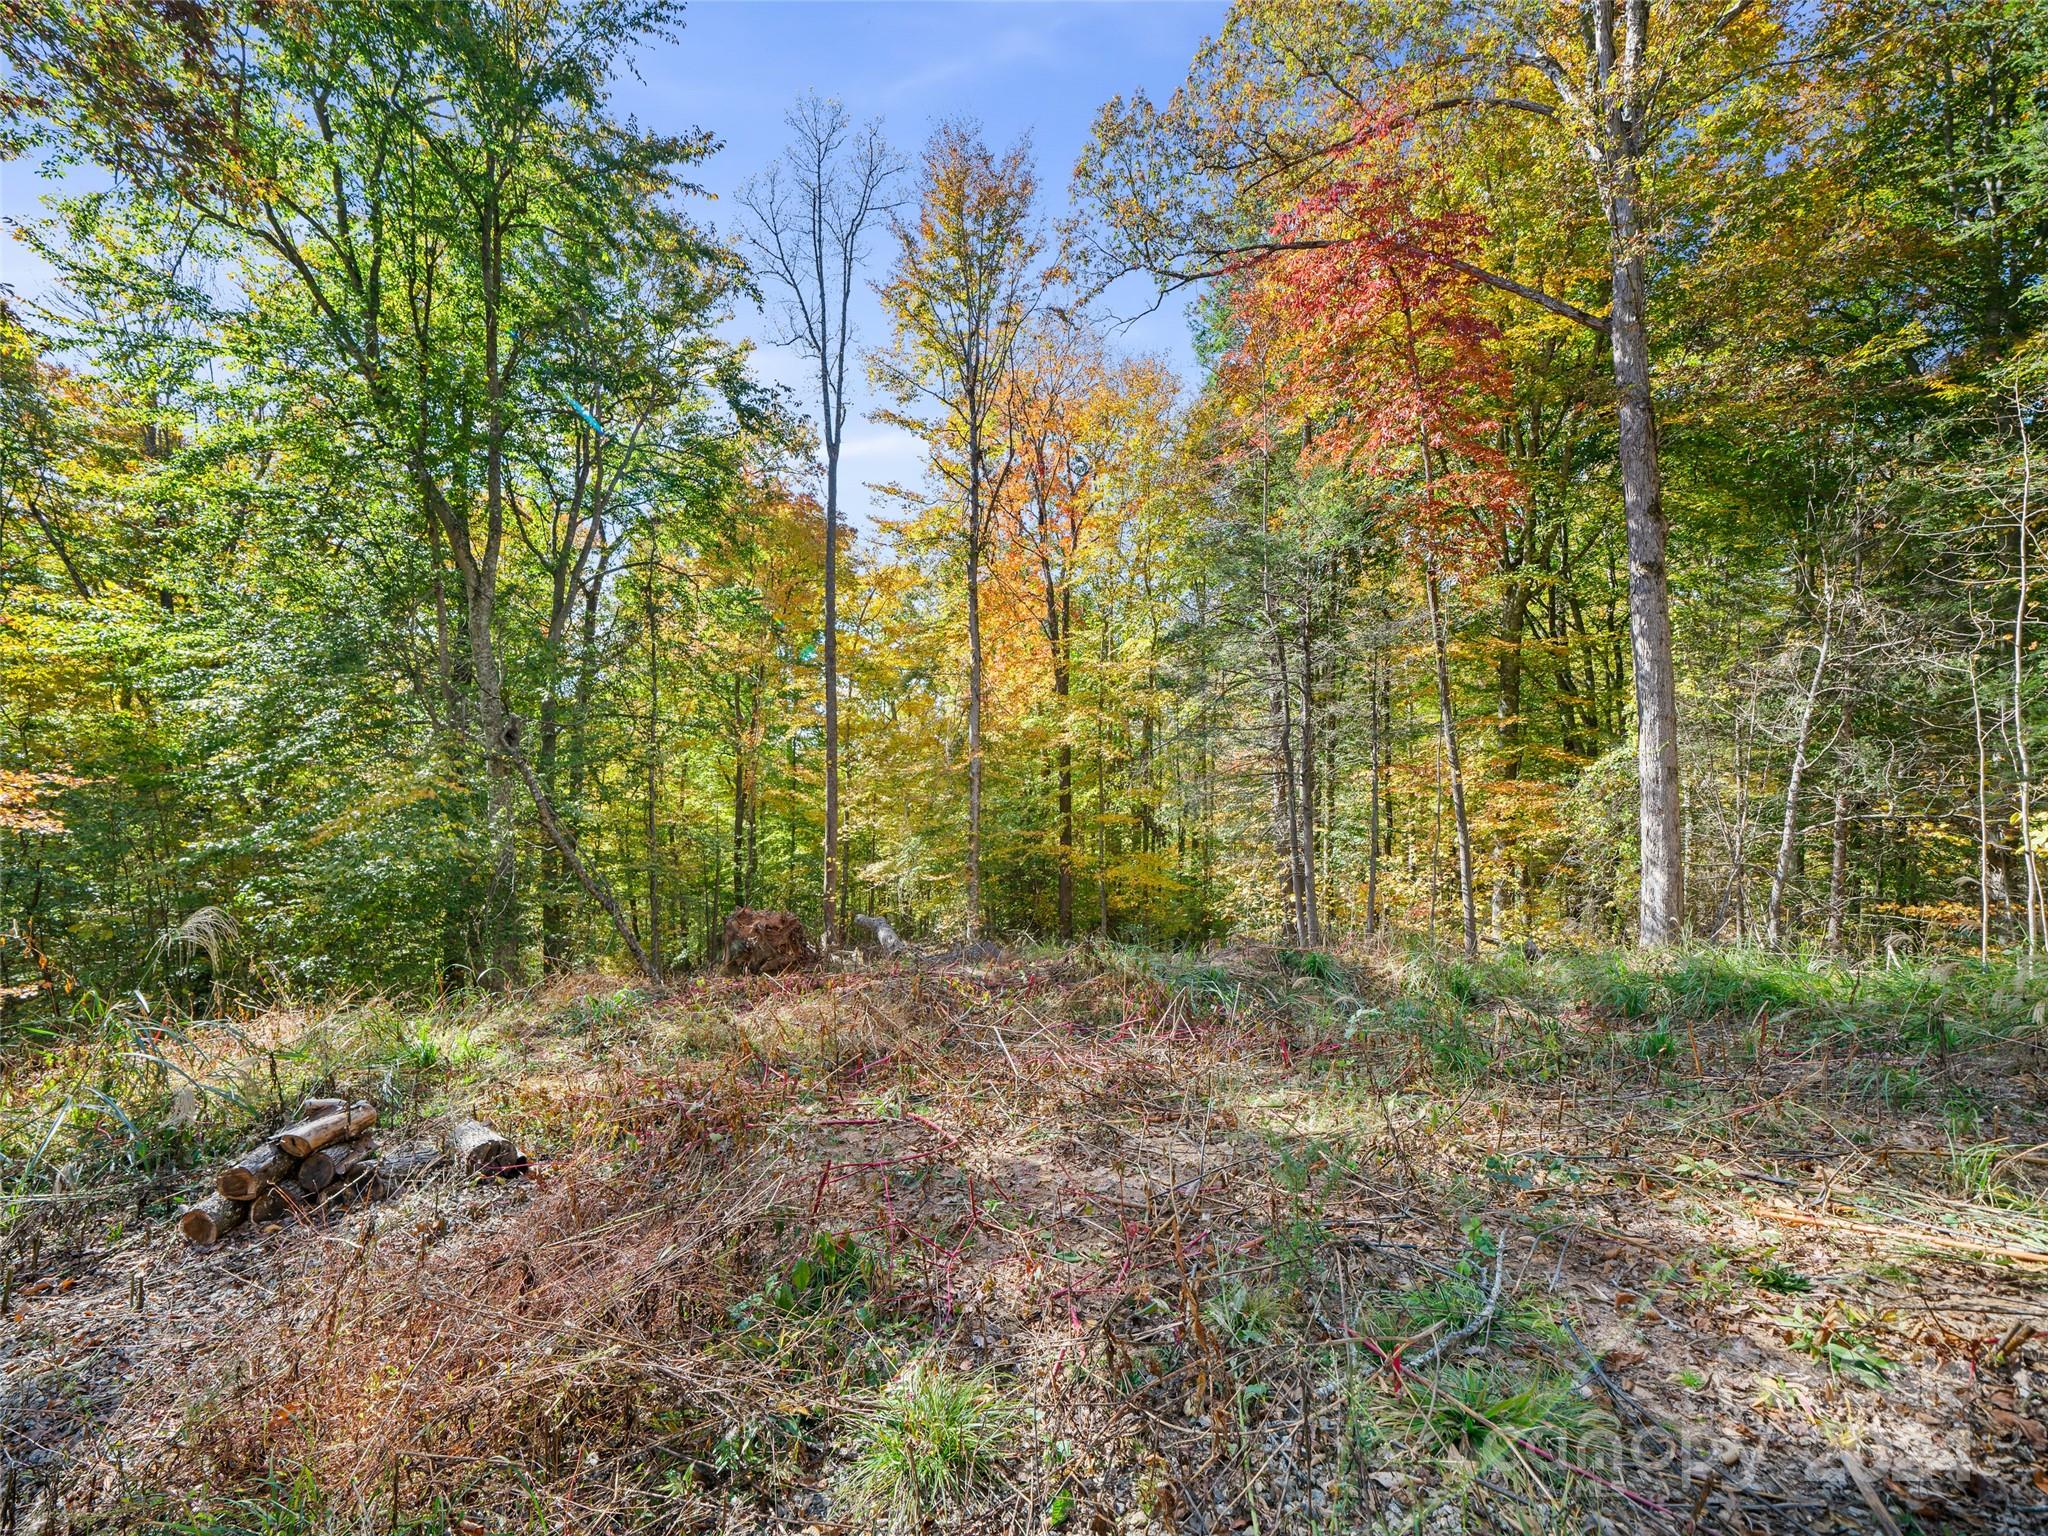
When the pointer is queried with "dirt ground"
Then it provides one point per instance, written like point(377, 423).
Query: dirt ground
point(1215, 1246)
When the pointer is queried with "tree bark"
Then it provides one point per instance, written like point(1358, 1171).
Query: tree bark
point(324, 1167)
point(1788, 832)
point(974, 678)
point(829, 925)
point(212, 1218)
point(255, 1171)
point(1375, 729)
point(308, 1136)
point(477, 1149)
point(1661, 908)
point(1838, 871)
point(1311, 908)
point(1461, 826)
point(653, 615)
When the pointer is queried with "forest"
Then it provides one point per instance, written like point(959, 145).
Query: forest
point(1523, 723)
point(340, 456)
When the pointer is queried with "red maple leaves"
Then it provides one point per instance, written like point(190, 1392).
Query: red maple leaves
point(1360, 314)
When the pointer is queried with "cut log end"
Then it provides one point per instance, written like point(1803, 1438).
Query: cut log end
point(212, 1218)
point(256, 1170)
point(322, 1168)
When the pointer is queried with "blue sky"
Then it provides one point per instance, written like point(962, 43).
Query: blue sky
point(1037, 68)
point(735, 69)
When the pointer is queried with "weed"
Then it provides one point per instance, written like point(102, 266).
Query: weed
point(1246, 1315)
point(594, 1014)
point(1706, 983)
point(1770, 1275)
point(1656, 1043)
point(1499, 1424)
point(1456, 1050)
point(1614, 986)
point(1462, 984)
point(836, 1275)
point(930, 1436)
point(1897, 1088)
point(1312, 962)
point(748, 1452)
point(1774, 1394)
point(1835, 1339)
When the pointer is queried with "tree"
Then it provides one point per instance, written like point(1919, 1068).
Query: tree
point(808, 216)
point(425, 193)
point(1272, 105)
point(961, 294)
point(1369, 308)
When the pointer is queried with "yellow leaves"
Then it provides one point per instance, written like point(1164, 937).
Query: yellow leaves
point(24, 805)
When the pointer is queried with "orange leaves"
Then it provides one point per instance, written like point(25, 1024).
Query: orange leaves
point(23, 807)
point(1363, 315)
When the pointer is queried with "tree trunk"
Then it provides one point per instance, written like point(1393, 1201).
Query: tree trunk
point(501, 914)
point(2037, 918)
point(1661, 912)
point(1311, 908)
point(1285, 810)
point(1788, 833)
point(1374, 728)
point(1061, 684)
point(1983, 820)
point(974, 696)
point(829, 926)
point(1619, 147)
point(1462, 828)
point(1838, 871)
point(1514, 616)
point(654, 950)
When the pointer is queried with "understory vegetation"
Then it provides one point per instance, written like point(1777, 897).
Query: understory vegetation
point(1072, 1239)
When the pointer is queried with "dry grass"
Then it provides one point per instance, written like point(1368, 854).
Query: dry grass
point(1232, 1242)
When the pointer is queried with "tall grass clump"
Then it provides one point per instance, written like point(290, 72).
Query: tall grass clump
point(931, 1436)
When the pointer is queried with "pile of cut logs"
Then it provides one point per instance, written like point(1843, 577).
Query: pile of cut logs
point(324, 1157)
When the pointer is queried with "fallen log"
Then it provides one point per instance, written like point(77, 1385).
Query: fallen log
point(309, 1136)
point(477, 1149)
point(212, 1218)
point(360, 1183)
point(322, 1168)
point(275, 1203)
point(313, 1109)
point(399, 1168)
point(256, 1170)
